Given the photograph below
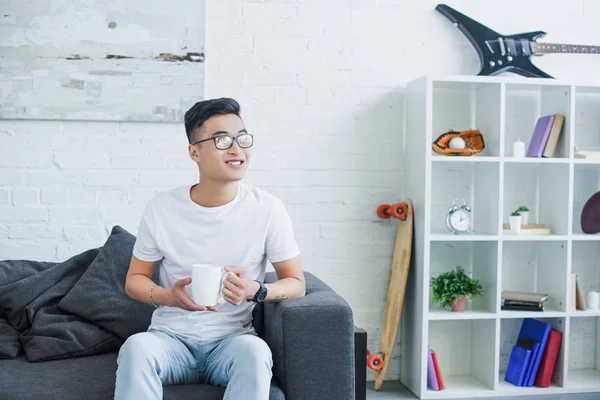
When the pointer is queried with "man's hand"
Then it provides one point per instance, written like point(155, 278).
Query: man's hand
point(177, 296)
point(239, 287)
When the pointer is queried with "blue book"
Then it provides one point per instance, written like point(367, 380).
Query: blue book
point(532, 346)
point(517, 365)
point(539, 332)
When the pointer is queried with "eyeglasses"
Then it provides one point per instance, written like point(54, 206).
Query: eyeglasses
point(225, 142)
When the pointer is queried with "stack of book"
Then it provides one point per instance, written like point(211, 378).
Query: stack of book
point(523, 301)
point(533, 357)
point(587, 152)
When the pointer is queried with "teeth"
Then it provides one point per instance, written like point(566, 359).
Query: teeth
point(236, 163)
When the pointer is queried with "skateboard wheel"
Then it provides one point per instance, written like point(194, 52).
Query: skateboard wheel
point(399, 210)
point(384, 211)
point(375, 361)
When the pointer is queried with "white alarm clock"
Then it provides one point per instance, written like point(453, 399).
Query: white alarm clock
point(458, 219)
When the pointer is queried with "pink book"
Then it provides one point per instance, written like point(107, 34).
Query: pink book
point(540, 136)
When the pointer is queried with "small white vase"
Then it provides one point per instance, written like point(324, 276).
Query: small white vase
point(515, 223)
point(524, 217)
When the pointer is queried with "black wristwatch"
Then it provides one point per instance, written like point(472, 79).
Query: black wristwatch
point(261, 294)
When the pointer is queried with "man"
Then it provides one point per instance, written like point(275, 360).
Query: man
point(219, 221)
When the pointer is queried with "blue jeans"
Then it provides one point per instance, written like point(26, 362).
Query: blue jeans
point(149, 360)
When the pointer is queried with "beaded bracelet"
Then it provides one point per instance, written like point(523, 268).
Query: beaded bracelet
point(151, 299)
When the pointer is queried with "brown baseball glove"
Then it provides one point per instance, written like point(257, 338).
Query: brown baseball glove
point(473, 143)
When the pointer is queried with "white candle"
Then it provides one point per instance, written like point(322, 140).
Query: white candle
point(518, 149)
point(592, 300)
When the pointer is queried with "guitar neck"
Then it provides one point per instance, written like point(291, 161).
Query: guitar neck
point(549, 48)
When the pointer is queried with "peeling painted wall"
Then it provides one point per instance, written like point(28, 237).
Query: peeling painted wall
point(100, 59)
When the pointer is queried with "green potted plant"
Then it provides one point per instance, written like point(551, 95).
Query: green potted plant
point(524, 213)
point(515, 221)
point(452, 289)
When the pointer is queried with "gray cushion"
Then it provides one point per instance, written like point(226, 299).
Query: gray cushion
point(90, 378)
point(29, 297)
point(99, 295)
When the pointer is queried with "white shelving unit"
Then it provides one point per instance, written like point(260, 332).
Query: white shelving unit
point(473, 347)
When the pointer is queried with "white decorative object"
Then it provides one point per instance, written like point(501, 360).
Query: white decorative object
point(524, 217)
point(515, 223)
point(457, 143)
point(518, 148)
point(592, 300)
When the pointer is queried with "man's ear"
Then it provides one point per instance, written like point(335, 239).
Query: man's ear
point(193, 152)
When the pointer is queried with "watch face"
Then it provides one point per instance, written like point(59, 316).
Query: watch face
point(461, 220)
point(261, 295)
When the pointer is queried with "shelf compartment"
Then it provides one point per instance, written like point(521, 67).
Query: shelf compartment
point(586, 182)
point(584, 354)
point(465, 106)
point(465, 354)
point(525, 104)
point(536, 266)
point(509, 332)
point(584, 262)
point(477, 183)
point(587, 118)
point(543, 188)
point(479, 260)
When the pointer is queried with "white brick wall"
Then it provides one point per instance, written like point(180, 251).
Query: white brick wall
point(321, 85)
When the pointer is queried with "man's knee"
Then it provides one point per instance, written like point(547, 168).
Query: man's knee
point(136, 349)
point(253, 352)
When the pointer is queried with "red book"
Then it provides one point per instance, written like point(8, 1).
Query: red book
point(548, 362)
point(437, 370)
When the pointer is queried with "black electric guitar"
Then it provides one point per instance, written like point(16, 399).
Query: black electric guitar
point(508, 53)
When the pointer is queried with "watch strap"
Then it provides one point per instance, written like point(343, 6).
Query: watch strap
point(259, 291)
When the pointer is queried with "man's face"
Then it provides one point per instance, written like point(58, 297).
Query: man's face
point(221, 165)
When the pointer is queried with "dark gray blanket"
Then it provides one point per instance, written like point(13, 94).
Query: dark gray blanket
point(29, 294)
point(74, 308)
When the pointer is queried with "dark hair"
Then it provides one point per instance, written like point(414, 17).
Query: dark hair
point(203, 110)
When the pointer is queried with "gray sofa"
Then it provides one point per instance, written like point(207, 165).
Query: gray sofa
point(311, 338)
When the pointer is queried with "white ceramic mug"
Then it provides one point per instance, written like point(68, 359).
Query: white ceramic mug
point(207, 283)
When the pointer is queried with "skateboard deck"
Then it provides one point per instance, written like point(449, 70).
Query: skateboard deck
point(397, 286)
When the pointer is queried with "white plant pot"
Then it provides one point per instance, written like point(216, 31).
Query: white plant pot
point(515, 223)
point(524, 217)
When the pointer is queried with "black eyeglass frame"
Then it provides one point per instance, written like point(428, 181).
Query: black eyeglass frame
point(214, 139)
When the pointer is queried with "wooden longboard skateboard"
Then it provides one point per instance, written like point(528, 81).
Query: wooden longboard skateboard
point(397, 286)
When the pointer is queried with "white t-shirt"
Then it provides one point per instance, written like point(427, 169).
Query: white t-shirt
point(245, 232)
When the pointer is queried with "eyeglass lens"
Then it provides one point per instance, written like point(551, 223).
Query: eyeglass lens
point(225, 142)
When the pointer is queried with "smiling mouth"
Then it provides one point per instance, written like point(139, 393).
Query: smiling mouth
point(235, 163)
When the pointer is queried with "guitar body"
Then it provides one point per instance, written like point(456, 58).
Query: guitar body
point(498, 53)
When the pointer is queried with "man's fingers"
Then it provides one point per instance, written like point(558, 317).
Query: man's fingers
point(236, 290)
point(183, 282)
point(236, 280)
point(235, 270)
point(193, 306)
point(231, 300)
point(212, 308)
point(228, 293)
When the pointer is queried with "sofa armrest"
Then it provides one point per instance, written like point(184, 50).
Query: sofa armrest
point(312, 341)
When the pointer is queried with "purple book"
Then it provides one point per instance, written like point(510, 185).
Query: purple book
point(431, 375)
point(540, 136)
